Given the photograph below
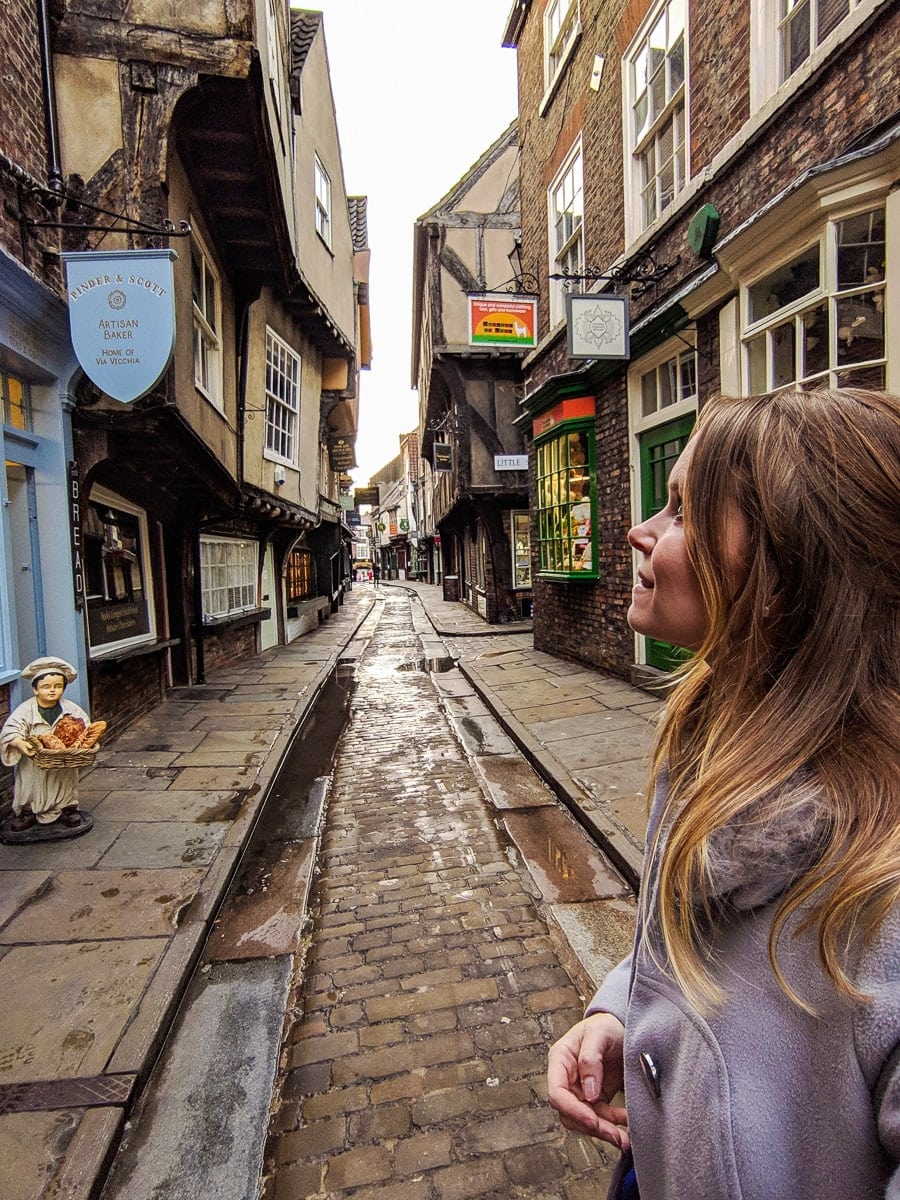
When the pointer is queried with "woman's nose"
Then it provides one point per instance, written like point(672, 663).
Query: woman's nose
point(640, 537)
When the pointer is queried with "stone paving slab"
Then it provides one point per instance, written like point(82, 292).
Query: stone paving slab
point(511, 783)
point(65, 1006)
point(85, 851)
point(213, 1091)
point(600, 933)
point(88, 905)
point(560, 858)
point(18, 888)
point(266, 921)
point(150, 844)
point(179, 805)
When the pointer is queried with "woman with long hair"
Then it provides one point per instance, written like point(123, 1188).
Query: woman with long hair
point(756, 1024)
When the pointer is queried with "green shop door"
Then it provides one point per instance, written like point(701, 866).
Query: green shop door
point(660, 448)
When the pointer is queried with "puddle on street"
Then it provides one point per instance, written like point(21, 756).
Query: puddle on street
point(435, 665)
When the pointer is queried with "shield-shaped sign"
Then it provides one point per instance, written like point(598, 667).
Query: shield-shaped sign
point(122, 317)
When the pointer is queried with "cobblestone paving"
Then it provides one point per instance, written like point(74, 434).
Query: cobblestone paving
point(414, 1065)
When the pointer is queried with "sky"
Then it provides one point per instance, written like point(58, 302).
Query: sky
point(421, 89)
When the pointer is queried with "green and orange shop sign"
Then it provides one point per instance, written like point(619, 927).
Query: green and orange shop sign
point(503, 320)
point(566, 410)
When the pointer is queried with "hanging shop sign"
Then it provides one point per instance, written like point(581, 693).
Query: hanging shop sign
point(503, 320)
point(510, 462)
point(404, 525)
point(122, 317)
point(443, 456)
point(365, 496)
point(353, 517)
point(341, 454)
point(597, 326)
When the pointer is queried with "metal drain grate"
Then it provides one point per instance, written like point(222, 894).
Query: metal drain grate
point(47, 1095)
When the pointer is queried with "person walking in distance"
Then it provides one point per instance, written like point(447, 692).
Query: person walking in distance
point(756, 1024)
point(376, 573)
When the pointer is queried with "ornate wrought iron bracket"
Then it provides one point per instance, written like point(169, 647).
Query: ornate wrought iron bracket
point(525, 284)
point(51, 200)
point(646, 272)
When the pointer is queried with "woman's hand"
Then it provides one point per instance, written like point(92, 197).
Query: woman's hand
point(23, 746)
point(584, 1072)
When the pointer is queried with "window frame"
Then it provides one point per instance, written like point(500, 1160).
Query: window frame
point(766, 76)
point(207, 336)
point(643, 425)
point(24, 406)
point(638, 143)
point(571, 251)
point(558, 47)
point(290, 572)
point(323, 202)
point(276, 403)
point(248, 564)
point(794, 316)
point(549, 510)
point(521, 560)
point(101, 497)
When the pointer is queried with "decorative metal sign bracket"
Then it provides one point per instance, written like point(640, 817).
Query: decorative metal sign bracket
point(51, 200)
point(525, 284)
point(646, 272)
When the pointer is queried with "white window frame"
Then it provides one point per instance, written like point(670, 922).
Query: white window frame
point(282, 390)
point(562, 32)
point(239, 572)
point(323, 200)
point(640, 423)
point(767, 78)
point(207, 338)
point(790, 316)
point(674, 115)
point(569, 253)
point(101, 496)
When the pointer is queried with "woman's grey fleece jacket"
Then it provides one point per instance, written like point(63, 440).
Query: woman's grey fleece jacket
point(759, 1100)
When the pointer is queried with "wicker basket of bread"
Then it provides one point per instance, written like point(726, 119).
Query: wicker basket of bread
point(71, 744)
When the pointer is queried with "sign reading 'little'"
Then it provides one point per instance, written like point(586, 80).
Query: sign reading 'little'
point(122, 317)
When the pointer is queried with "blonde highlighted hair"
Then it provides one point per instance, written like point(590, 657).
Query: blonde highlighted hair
point(798, 670)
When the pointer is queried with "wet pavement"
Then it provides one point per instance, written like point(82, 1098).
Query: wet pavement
point(432, 987)
point(100, 936)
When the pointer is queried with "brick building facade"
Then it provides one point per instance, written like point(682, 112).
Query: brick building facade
point(731, 175)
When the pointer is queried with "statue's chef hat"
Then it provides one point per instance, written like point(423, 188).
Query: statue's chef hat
point(50, 666)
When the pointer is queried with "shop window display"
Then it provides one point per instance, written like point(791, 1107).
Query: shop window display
point(566, 509)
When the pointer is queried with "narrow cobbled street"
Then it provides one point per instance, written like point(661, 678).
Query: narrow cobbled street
point(431, 989)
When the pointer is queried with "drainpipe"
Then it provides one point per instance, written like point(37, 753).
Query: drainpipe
point(54, 166)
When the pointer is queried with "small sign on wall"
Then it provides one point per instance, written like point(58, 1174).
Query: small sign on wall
point(597, 326)
point(510, 462)
point(443, 456)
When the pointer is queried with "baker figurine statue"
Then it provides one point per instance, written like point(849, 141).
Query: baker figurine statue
point(45, 802)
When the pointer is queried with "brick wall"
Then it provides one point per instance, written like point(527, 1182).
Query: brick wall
point(23, 138)
point(227, 646)
point(123, 691)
